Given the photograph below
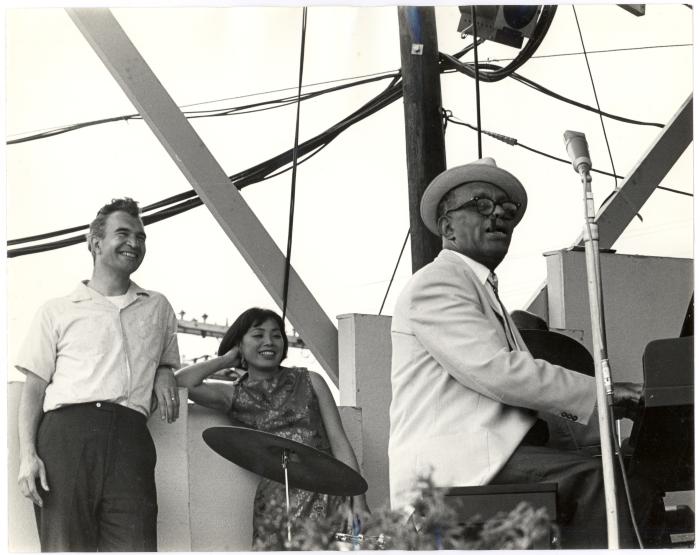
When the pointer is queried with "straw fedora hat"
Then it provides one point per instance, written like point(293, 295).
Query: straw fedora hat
point(484, 170)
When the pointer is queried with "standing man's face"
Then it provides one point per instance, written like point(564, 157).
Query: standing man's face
point(484, 238)
point(123, 246)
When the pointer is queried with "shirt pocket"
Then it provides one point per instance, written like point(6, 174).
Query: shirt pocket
point(91, 335)
point(147, 328)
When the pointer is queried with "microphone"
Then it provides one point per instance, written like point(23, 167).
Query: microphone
point(577, 148)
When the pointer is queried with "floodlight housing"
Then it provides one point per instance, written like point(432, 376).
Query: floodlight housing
point(503, 24)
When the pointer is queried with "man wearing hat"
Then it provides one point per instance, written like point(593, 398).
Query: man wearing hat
point(97, 363)
point(466, 392)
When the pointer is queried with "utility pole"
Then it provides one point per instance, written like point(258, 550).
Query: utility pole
point(422, 102)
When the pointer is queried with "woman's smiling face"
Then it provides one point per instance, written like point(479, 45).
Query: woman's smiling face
point(262, 345)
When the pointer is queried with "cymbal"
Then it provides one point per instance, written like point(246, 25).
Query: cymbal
point(262, 452)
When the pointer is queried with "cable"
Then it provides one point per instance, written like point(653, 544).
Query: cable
point(674, 191)
point(288, 259)
point(595, 93)
point(368, 79)
point(548, 92)
point(514, 142)
point(270, 168)
point(171, 200)
point(148, 219)
point(287, 88)
point(616, 443)
point(602, 122)
point(396, 267)
point(476, 81)
point(604, 51)
point(449, 117)
point(260, 172)
point(196, 114)
point(451, 63)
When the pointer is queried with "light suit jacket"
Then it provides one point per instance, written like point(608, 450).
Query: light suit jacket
point(461, 400)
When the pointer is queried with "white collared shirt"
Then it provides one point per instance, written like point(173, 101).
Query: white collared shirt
point(88, 349)
point(482, 273)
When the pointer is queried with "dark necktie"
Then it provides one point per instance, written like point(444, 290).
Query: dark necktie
point(503, 317)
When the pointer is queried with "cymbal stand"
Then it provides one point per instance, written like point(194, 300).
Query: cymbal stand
point(604, 385)
point(285, 461)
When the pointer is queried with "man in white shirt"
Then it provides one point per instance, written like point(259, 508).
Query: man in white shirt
point(97, 362)
point(466, 392)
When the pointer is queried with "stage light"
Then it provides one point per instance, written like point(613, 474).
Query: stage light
point(503, 24)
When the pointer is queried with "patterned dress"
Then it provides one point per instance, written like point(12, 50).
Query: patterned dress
point(285, 405)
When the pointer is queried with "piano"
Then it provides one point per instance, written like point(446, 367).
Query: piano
point(661, 444)
point(661, 441)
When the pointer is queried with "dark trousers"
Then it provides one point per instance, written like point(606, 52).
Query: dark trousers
point(581, 497)
point(100, 462)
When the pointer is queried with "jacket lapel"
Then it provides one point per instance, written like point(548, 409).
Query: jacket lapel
point(486, 299)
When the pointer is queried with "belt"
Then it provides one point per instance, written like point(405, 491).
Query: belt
point(102, 405)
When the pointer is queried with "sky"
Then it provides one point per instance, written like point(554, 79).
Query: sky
point(351, 203)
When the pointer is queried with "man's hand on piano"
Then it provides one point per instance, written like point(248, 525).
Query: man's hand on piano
point(626, 398)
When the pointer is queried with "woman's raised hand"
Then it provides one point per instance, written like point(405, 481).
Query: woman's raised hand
point(233, 357)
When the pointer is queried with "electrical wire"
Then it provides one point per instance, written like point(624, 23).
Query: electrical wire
point(147, 219)
point(451, 63)
point(396, 267)
point(150, 207)
point(449, 117)
point(514, 142)
point(260, 172)
point(670, 190)
point(287, 89)
point(196, 114)
point(271, 168)
point(603, 51)
point(253, 175)
point(476, 81)
point(292, 196)
point(368, 78)
point(602, 122)
point(595, 93)
point(616, 444)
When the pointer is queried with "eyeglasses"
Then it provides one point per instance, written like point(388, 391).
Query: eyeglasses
point(486, 207)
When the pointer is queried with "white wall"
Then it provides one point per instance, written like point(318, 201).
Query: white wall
point(364, 351)
point(645, 298)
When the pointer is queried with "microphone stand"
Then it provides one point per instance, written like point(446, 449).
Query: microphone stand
point(604, 386)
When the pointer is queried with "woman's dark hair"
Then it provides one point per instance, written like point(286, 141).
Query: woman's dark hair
point(251, 317)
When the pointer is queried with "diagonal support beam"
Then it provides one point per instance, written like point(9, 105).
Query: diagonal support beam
point(614, 217)
point(101, 29)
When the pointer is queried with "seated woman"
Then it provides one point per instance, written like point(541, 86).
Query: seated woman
point(289, 402)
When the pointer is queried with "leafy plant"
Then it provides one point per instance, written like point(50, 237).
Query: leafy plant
point(434, 524)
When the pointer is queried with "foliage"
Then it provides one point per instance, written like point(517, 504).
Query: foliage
point(386, 529)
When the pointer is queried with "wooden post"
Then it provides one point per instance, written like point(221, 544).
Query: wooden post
point(425, 142)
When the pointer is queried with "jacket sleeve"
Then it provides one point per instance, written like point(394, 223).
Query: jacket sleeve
point(450, 321)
